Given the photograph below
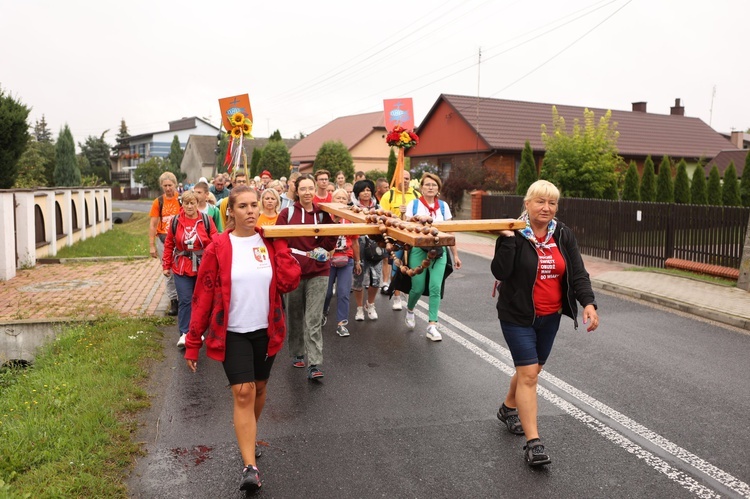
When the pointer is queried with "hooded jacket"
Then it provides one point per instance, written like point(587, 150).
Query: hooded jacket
point(515, 264)
point(310, 267)
point(181, 264)
point(213, 291)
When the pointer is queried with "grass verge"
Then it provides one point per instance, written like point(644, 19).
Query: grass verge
point(128, 239)
point(66, 422)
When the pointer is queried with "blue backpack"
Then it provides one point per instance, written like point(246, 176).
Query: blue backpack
point(440, 202)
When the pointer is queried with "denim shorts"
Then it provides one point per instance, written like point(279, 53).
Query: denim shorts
point(531, 344)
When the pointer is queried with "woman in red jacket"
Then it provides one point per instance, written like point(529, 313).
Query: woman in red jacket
point(183, 249)
point(238, 298)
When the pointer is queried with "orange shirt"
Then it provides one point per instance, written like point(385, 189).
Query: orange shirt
point(171, 208)
point(266, 220)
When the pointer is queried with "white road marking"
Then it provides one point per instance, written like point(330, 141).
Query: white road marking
point(680, 477)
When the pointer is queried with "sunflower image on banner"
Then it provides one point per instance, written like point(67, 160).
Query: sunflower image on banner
point(399, 121)
point(237, 118)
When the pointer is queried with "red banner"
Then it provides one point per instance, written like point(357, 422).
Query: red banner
point(399, 112)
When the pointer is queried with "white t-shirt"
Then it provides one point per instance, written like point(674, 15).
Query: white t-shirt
point(251, 282)
point(422, 210)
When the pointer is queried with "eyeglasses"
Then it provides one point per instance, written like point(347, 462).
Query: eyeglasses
point(429, 185)
point(322, 179)
point(302, 190)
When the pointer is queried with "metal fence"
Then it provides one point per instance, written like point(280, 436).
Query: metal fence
point(644, 234)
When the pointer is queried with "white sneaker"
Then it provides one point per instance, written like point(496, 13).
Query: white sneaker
point(371, 312)
point(181, 341)
point(433, 334)
point(397, 304)
point(360, 314)
point(410, 320)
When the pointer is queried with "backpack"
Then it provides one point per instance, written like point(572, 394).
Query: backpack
point(206, 223)
point(372, 251)
point(440, 202)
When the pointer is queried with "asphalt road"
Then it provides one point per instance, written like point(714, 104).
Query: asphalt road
point(134, 205)
point(653, 404)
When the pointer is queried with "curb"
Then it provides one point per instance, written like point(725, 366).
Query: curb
point(88, 259)
point(706, 313)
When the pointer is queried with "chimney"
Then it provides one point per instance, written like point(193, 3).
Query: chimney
point(738, 138)
point(639, 107)
point(677, 109)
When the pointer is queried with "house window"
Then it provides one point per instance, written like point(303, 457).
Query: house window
point(445, 169)
point(40, 238)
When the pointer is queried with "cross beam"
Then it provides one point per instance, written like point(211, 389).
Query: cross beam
point(411, 233)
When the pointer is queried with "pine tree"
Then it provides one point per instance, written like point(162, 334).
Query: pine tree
point(730, 190)
point(630, 190)
point(275, 136)
point(745, 182)
point(664, 186)
point(175, 154)
point(648, 181)
point(527, 171)
point(41, 131)
point(96, 150)
point(392, 160)
point(714, 187)
point(67, 173)
point(14, 135)
point(698, 189)
point(682, 184)
point(255, 162)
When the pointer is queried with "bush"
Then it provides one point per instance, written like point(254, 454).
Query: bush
point(527, 171)
point(682, 184)
point(745, 182)
point(466, 176)
point(276, 159)
point(648, 181)
point(630, 190)
point(334, 156)
point(698, 189)
point(730, 191)
point(664, 187)
point(714, 187)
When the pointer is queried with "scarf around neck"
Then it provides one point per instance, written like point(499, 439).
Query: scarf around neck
point(528, 232)
point(432, 209)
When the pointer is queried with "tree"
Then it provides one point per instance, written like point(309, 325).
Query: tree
point(682, 184)
point(648, 181)
point(41, 131)
point(96, 150)
point(67, 173)
point(255, 162)
point(122, 140)
point(175, 154)
point(334, 156)
point(745, 182)
point(582, 163)
point(31, 167)
point(14, 136)
point(630, 190)
point(730, 190)
point(714, 187)
point(664, 186)
point(276, 159)
point(527, 171)
point(698, 189)
point(275, 136)
point(392, 162)
point(148, 172)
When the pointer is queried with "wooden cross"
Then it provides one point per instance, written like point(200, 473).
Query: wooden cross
point(407, 235)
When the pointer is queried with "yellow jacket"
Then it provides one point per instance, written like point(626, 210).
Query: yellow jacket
point(392, 200)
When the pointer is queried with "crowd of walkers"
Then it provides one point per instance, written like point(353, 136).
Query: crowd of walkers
point(242, 294)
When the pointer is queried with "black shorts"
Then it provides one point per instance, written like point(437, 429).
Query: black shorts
point(245, 358)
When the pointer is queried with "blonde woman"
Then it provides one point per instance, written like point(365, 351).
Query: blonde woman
point(269, 207)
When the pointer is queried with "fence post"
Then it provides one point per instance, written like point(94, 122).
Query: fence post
point(476, 204)
point(669, 233)
point(743, 282)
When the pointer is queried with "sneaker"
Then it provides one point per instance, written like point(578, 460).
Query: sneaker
point(341, 330)
point(384, 288)
point(397, 304)
point(250, 479)
point(510, 418)
point(360, 314)
point(433, 334)
point(372, 314)
point(181, 341)
point(298, 361)
point(258, 451)
point(313, 372)
point(410, 320)
point(535, 453)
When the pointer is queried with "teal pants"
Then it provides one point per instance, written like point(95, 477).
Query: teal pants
point(418, 282)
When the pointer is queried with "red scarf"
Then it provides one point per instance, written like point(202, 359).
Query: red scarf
point(432, 209)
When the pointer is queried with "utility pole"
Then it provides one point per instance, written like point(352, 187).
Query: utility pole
point(711, 111)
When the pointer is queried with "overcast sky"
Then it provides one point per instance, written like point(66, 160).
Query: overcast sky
point(92, 63)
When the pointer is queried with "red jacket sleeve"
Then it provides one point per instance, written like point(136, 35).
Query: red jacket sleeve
point(167, 257)
point(206, 285)
point(287, 268)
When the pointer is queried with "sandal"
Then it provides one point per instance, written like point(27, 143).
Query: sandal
point(510, 418)
point(535, 453)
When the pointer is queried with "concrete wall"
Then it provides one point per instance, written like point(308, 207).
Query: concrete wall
point(20, 340)
point(62, 214)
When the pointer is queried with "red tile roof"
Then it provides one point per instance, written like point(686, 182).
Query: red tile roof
point(350, 130)
point(724, 157)
point(507, 124)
